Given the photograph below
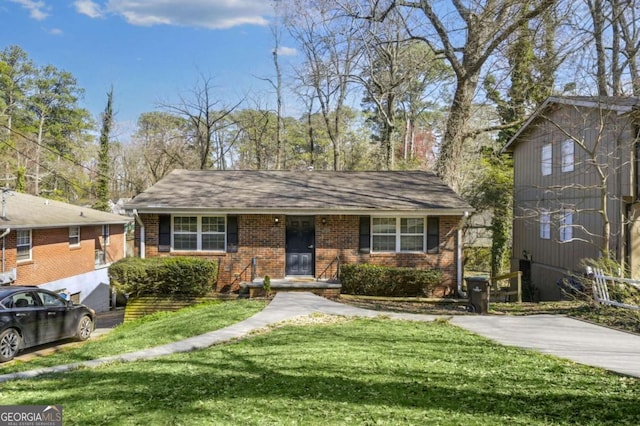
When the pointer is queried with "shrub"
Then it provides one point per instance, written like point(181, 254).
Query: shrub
point(374, 280)
point(164, 276)
point(477, 259)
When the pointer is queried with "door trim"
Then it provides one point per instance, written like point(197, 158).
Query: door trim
point(311, 270)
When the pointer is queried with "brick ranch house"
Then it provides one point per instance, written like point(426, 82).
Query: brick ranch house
point(295, 224)
point(60, 247)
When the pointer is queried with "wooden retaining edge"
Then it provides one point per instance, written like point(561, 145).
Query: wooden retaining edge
point(138, 307)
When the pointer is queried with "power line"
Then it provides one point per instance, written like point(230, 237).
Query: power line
point(72, 160)
point(53, 172)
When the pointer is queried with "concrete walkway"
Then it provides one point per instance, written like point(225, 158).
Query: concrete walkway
point(564, 337)
point(561, 336)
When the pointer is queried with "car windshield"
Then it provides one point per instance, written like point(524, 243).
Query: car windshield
point(51, 299)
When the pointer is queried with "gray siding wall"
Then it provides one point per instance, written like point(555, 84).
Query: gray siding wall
point(607, 141)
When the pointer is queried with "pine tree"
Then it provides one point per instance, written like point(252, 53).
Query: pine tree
point(102, 181)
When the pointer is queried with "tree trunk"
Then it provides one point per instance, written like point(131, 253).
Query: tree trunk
point(454, 137)
point(597, 15)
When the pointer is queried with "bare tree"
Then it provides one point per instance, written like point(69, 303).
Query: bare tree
point(331, 51)
point(206, 115)
point(395, 72)
point(466, 34)
point(607, 45)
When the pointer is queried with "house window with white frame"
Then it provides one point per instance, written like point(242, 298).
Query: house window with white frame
point(411, 234)
point(213, 233)
point(105, 234)
point(199, 233)
point(566, 226)
point(383, 233)
point(23, 244)
point(74, 236)
point(567, 156)
point(398, 234)
point(546, 159)
point(545, 225)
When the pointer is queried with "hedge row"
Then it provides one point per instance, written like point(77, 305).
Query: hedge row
point(373, 280)
point(165, 276)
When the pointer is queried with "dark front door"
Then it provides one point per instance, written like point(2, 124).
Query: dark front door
point(300, 249)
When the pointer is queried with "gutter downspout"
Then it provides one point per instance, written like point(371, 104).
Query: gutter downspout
point(4, 234)
point(459, 260)
point(139, 222)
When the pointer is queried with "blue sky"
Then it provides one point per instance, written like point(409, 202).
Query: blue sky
point(151, 50)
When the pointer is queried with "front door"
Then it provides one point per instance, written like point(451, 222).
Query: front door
point(299, 249)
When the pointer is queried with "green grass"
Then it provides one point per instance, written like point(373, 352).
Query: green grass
point(364, 371)
point(149, 331)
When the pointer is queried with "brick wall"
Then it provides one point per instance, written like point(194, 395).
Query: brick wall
point(340, 237)
point(259, 236)
point(52, 258)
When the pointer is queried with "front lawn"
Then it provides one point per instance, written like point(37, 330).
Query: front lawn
point(343, 372)
point(152, 330)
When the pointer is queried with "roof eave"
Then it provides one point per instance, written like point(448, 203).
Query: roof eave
point(458, 211)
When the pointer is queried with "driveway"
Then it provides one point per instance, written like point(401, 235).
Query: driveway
point(561, 336)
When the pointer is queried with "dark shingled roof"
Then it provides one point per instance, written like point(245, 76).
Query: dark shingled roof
point(28, 211)
point(309, 191)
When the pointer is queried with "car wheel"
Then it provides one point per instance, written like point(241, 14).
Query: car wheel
point(9, 344)
point(85, 327)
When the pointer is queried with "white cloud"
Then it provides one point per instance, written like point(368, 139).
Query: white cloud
point(55, 31)
point(287, 51)
point(213, 14)
point(88, 7)
point(38, 10)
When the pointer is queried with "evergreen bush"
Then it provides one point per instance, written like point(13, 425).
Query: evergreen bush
point(164, 276)
point(374, 280)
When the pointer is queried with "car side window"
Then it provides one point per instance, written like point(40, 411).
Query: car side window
point(51, 299)
point(23, 300)
point(7, 302)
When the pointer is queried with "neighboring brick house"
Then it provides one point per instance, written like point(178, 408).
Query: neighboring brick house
point(298, 223)
point(575, 164)
point(60, 247)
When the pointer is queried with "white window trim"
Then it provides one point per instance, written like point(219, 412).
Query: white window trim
point(74, 236)
point(398, 235)
point(546, 159)
point(566, 226)
point(198, 233)
point(30, 245)
point(545, 224)
point(568, 155)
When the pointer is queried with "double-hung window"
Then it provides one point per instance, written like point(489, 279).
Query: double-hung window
point(412, 234)
point(23, 244)
point(74, 236)
point(567, 156)
point(566, 226)
point(383, 233)
point(199, 233)
point(213, 232)
point(545, 225)
point(398, 234)
point(546, 159)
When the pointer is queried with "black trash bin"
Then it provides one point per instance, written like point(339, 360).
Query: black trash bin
point(478, 290)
